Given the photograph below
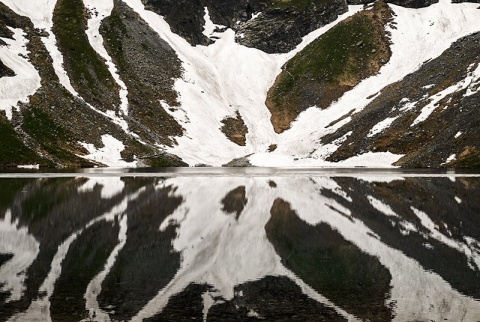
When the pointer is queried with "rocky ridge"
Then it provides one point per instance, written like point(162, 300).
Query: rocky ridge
point(63, 127)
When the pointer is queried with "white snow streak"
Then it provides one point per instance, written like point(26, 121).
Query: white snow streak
point(109, 154)
point(380, 206)
point(26, 80)
point(100, 10)
point(24, 248)
point(381, 126)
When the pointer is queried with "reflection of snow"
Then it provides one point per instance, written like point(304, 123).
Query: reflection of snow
point(39, 309)
point(111, 186)
point(24, 248)
point(223, 251)
point(215, 254)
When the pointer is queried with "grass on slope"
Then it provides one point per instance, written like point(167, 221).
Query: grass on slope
point(52, 138)
point(331, 65)
point(12, 150)
point(87, 71)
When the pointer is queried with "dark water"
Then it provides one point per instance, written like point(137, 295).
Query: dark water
point(280, 246)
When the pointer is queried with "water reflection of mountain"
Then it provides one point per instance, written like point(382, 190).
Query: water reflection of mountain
point(240, 248)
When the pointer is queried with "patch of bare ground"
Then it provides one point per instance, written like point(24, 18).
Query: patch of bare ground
point(331, 65)
point(235, 129)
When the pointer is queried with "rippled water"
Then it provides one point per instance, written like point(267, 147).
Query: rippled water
point(298, 245)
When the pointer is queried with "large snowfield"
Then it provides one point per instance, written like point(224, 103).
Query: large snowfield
point(225, 77)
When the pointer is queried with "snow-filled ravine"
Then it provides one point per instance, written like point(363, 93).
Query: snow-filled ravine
point(225, 77)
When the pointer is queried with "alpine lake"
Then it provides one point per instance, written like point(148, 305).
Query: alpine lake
point(230, 244)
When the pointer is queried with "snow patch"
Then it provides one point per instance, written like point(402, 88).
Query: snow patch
point(471, 83)
point(100, 10)
point(473, 79)
point(110, 186)
point(450, 159)
point(109, 154)
point(26, 81)
point(40, 13)
point(381, 126)
point(380, 206)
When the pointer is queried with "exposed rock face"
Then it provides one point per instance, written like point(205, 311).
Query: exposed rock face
point(331, 65)
point(430, 195)
point(279, 27)
point(450, 131)
point(235, 201)
point(88, 72)
point(150, 84)
point(5, 71)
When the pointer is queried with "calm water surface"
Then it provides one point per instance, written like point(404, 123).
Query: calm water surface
point(211, 245)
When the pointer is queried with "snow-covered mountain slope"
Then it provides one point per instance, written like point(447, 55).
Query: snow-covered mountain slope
point(111, 82)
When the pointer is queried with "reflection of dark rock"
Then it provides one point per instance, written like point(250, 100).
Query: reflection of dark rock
point(427, 144)
point(235, 201)
point(5, 258)
point(436, 198)
point(186, 306)
point(9, 188)
point(53, 210)
point(273, 299)
point(85, 259)
point(333, 266)
point(147, 262)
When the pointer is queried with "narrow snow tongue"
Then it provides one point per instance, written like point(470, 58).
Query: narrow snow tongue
point(330, 264)
point(88, 72)
point(333, 64)
point(149, 68)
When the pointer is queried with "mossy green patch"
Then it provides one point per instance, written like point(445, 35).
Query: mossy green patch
point(88, 72)
point(332, 64)
point(12, 150)
point(53, 138)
